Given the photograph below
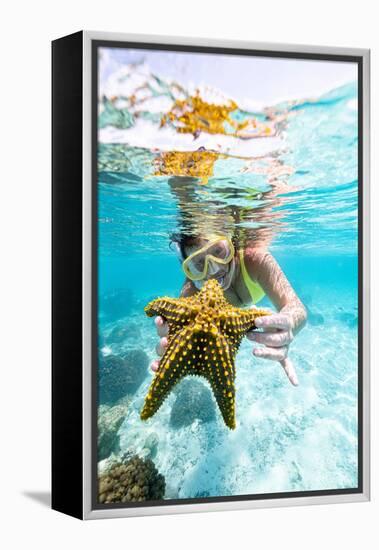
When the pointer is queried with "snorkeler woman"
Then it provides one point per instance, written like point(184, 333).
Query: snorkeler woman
point(246, 274)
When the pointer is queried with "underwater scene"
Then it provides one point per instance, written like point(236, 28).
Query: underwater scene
point(227, 202)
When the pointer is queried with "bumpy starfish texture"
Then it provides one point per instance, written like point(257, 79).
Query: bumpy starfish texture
point(205, 332)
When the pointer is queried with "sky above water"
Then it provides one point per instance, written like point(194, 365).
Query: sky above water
point(263, 79)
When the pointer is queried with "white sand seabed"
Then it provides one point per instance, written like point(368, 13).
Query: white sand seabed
point(286, 438)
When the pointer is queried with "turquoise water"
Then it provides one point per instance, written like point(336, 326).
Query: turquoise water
point(300, 188)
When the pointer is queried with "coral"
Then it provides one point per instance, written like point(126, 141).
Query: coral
point(197, 164)
point(193, 114)
point(205, 332)
point(119, 376)
point(193, 401)
point(108, 424)
point(135, 480)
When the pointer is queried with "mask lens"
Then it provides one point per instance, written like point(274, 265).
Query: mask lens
point(199, 263)
point(213, 268)
point(219, 250)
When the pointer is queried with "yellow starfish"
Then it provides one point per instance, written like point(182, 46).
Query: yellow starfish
point(205, 332)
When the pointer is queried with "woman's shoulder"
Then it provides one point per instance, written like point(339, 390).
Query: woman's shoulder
point(254, 255)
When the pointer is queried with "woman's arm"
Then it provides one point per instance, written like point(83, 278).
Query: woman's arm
point(263, 267)
point(188, 289)
point(278, 329)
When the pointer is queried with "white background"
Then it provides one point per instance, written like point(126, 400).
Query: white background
point(26, 30)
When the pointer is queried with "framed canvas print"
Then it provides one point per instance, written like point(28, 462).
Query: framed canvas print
point(210, 275)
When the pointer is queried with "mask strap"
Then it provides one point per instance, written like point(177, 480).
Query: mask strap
point(174, 246)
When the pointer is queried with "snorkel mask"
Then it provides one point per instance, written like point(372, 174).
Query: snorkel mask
point(205, 261)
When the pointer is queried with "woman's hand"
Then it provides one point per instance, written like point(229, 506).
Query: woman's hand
point(276, 337)
point(162, 329)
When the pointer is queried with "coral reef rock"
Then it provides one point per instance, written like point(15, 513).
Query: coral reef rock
point(109, 422)
point(119, 376)
point(124, 332)
point(194, 401)
point(136, 480)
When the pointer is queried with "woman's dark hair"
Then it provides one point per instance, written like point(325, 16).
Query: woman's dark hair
point(183, 241)
point(187, 240)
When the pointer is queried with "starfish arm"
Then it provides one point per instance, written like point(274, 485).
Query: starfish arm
point(204, 335)
point(175, 310)
point(212, 356)
point(220, 372)
point(234, 325)
point(172, 367)
point(246, 318)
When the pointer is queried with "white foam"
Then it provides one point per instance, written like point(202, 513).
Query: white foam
point(148, 135)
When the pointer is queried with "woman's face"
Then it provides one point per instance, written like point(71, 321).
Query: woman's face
point(223, 273)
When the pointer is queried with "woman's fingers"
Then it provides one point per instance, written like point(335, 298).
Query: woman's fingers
point(273, 339)
point(160, 349)
point(162, 326)
point(290, 371)
point(276, 336)
point(265, 330)
point(154, 365)
point(161, 346)
point(279, 354)
point(274, 354)
point(277, 320)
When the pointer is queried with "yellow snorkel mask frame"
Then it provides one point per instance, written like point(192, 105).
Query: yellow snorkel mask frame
point(199, 272)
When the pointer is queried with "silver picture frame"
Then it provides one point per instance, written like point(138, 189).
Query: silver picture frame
point(89, 511)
